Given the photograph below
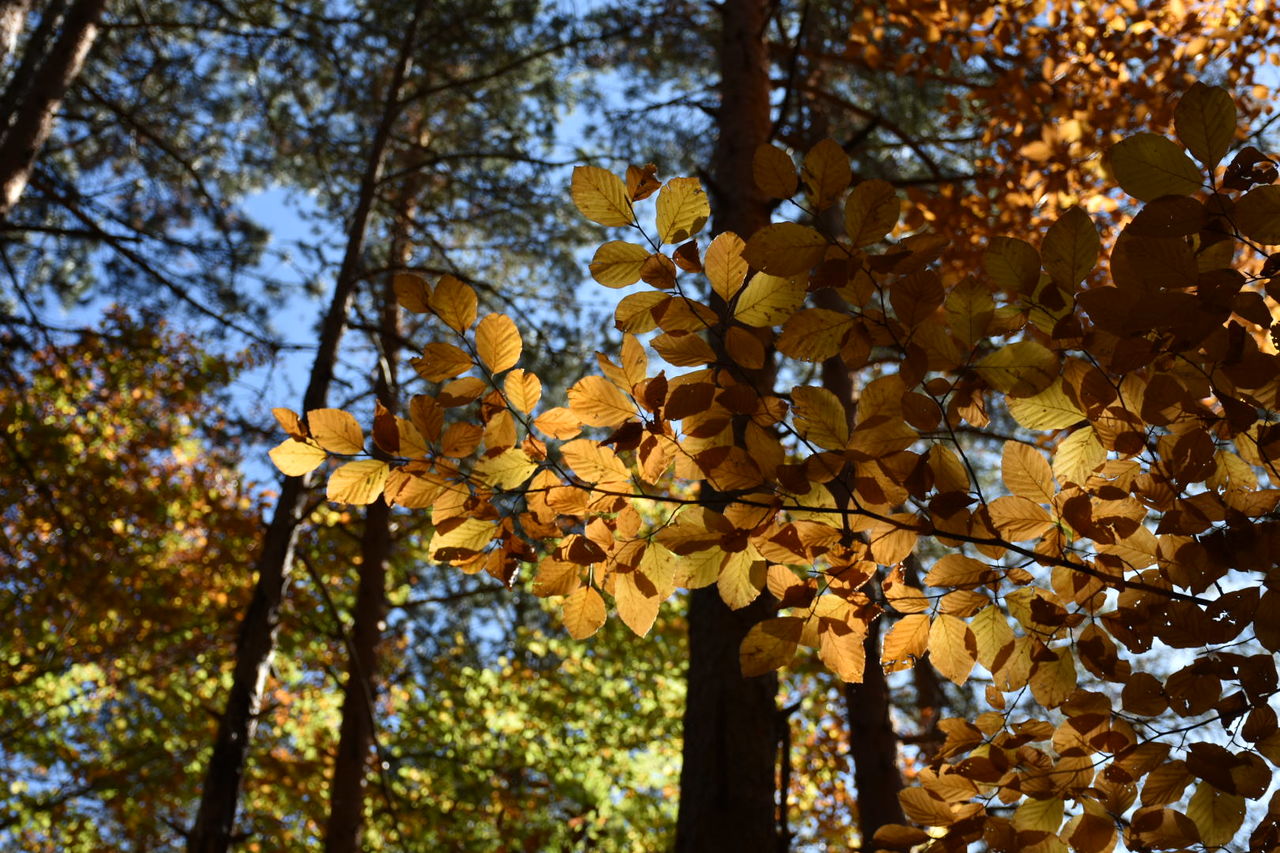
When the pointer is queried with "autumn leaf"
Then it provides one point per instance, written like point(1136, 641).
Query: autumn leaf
point(598, 402)
point(683, 209)
point(773, 171)
point(1147, 166)
point(618, 263)
point(1020, 369)
point(768, 300)
point(583, 613)
point(297, 458)
point(725, 267)
point(1205, 120)
point(785, 249)
point(358, 482)
point(601, 196)
point(413, 294)
point(953, 649)
point(871, 212)
point(454, 303)
point(769, 644)
point(336, 431)
point(498, 342)
point(826, 173)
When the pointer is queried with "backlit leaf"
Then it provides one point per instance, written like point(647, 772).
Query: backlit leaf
point(583, 612)
point(1013, 264)
point(774, 172)
point(617, 263)
point(905, 642)
point(523, 390)
point(1257, 215)
point(358, 482)
point(1070, 249)
point(1050, 409)
point(507, 470)
point(1077, 456)
point(953, 649)
point(598, 402)
point(1025, 472)
point(441, 361)
point(297, 458)
point(601, 196)
point(786, 248)
point(498, 342)
point(820, 417)
point(871, 212)
point(725, 267)
point(1217, 815)
point(1147, 166)
point(1020, 369)
point(814, 334)
point(769, 300)
point(637, 599)
point(455, 303)
point(826, 173)
point(769, 644)
point(1205, 119)
point(336, 431)
point(683, 209)
point(412, 292)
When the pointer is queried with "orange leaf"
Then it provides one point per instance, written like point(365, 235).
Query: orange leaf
point(498, 342)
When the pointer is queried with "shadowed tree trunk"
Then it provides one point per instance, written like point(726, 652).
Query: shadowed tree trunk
point(256, 645)
point(727, 785)
point(42, 82)
point(13, 15)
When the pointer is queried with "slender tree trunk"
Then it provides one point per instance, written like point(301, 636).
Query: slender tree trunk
point(32, 120)
point(727, 783)
point(873, 744)
point(356, 738)
point(216, 816)
point(13, 16)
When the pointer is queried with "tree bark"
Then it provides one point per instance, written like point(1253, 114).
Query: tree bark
point(27, 129)
point(13, 16)
point(873, 744)
point(727, 783)
point(219, 797)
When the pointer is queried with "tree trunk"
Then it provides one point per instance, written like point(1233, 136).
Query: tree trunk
point(727, 784)
point(357, 735)
point(32, 120)
point(216, 816)
point(13, 16)
point(873, 744)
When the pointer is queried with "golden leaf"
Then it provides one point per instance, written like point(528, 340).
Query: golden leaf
point(441, 361)
point(923, 808)
point(871, 212)
point(498, 342)
point(507, 470)
point(1020, 369)
point(905, 643)
point(820, 417)
point(290, 423)
point(826, 173)
point(1217, 815)
point(558, 423)
point(1050, 409)
point(725, 267)
point(583, 613)
point(412, 292)
point(953, 649)
point(1053, 680)
point(774, 172)
point(598, 402)
point(769, 644)
point(296, 458)
point(741, 580)
point(1039, 815)
point(601, 196)
point(785, 249)
point(683, 209)
point(1026, 473)
point(617, 263)
point(357, 482)
point(637, 599)
point(523, 390)
point(814, 334)
point(1012, 264)
point(636, 313)
point(336, 431)
point(993, 634)
point(768, 300)
point(455, 303)
point(1077, 456)
point(593, 462)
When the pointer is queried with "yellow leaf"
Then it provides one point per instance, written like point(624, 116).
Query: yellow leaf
point(412, 292)
point(290, 423)
point(455, 303)
point(601, 196)
point(1077, 456)
point(923, 808)
point(957, 570)
point(558, 423)
point(507, 470)
point(774, 172)
point(617, 263)
point(1026, 473)
point(725, 267)
point(992, 632)
point(461, 541)
point(814, 334)
point(1147, 166)
point(683, 209)
point(441, 361)
point(598, 402)
point(296, 458)
point(952, 648)
point(786, 248)
point(1050, 409)
point(637, 312)
point(744, 348)
point(412, 444)
point(1205, 119)
point(459, 392)
point(769, 644)
point(523, 390)
point(498, 342)
point(593, 462)
point(1020, 369)
point(1039, 815)
point(357, 482)
point(741, 580)
point(842, 649)
point(1053, 680)
point(826, 173)
point(905, 643)
point(970, 310)
point(1218, 816)
point(871, 212)
point(336, 431)
point(819, 417)
point(584, 613)
point(637, 599)
point(684, 349)
point(1018, 519)
point(768, 300)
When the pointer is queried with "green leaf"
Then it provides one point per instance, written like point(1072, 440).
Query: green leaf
point(1147, 166)
point(1205, 120)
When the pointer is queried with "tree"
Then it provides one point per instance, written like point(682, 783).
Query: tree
point(1149, 526)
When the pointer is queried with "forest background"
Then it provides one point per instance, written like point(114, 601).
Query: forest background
point(198, 654)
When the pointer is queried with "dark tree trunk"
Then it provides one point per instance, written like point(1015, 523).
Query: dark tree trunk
point(727, 783)
point(216, 816)
point(873, 744)
point(31, 120)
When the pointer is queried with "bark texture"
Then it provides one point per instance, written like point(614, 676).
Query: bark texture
point(28, 126)
point(727, 782)
point(215, 819)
